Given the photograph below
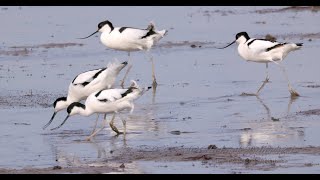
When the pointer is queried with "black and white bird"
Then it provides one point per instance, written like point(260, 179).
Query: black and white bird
point(86, 83)
point(265, 51)
point(107, 101)
point(130, 39)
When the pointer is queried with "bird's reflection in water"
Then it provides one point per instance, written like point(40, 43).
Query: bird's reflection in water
point(270, 130)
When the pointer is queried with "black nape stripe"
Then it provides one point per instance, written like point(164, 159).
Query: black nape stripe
point(275, 46)
point(59, 99)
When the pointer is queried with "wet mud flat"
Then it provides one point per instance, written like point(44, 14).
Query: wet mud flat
point(253, 159)
point(198, 120)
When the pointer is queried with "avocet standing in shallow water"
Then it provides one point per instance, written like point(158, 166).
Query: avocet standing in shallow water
point(86, 83)
point(107, 101)
point(129, 39)
point(265, 51)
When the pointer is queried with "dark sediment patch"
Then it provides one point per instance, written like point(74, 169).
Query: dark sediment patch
point(261, 158)
point(221, 154)
point(18, 99)
point(310, 112)
point(27, 50)
point(16, 52)
point(61, 170)
point(49, 45)
point(312, 86)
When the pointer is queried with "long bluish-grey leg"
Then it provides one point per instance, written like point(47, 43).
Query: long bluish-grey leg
point(154, 80)
point(127, 72)
point(95, 125)
point(102, 127)
point(291, 90)
point(265, 81)
point(124, 124)
point(114, 128)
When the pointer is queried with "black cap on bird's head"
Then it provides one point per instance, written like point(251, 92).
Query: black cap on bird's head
point(54, 114)
point(100, 25)
point(69, 109)
point(75, 104)
point(238, 35)
point(245, 34)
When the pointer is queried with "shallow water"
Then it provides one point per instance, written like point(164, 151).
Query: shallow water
point(197, 102)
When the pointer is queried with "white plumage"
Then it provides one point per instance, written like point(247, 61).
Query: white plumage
point(129, 39)
point(264, 51)
point(106, 101)
point(86, 83)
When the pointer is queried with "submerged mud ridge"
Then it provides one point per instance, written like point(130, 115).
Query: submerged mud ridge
point(220, 155)
point(27, 50)
point(212, 13)
point(192, 44)
point(310, 112)
point(260, 158)
point(61, 170)
point(290, 9)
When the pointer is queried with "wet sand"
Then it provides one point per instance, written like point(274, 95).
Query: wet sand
point(197, 121)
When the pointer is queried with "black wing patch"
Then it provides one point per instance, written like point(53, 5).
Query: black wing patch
point(251, 42)
point(257, 39)
point(103, 100)
point(98, 93)
point(93, 77)
point(275, 46)
point(75, 78)
point(85, 83)
point(128, 91)
point(122, 29)
point(151, 32)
